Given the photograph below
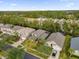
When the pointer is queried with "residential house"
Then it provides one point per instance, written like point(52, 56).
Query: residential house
point(56, 41)
point(1, 25)
point(25, 32)
point(44, 35)
point(16, 28)
point(7, 28)
point(36, 34)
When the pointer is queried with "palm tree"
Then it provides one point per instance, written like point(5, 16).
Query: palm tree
point(71, 51)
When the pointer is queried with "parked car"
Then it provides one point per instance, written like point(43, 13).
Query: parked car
point(54, 53)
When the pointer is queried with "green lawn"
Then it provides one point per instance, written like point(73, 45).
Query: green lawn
point(74, 57)
point(15, 53)
point(0, 32)
point(65, 52)
point(2, 53)
point(44, 49)
point(9, 38)
point(37, 53)
point(37, 48)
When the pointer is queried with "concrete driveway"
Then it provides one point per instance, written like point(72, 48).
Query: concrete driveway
point(56, 57)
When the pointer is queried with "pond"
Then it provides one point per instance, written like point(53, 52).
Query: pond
point(75, 43)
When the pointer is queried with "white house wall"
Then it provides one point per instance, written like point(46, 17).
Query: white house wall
point(54, 45)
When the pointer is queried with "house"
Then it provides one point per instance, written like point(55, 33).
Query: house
point(16, 28)
point(36, 34)
point(7, 28)
point(75, 45)
point(25, 32)
point(56, 41)
point(44, 35)
point(1, 25)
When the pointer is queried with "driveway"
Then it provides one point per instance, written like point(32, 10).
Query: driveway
point(56, 57)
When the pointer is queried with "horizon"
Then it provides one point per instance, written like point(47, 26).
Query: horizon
point(38, 5)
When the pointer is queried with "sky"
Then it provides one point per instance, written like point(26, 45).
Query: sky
point(28, 5)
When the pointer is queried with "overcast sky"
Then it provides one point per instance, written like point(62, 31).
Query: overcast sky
point(10, 5)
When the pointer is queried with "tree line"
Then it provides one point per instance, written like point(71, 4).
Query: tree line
point(20, 18)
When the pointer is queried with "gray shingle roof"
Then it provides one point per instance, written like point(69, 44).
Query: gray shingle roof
point(58, 38)
point(1, 24)
point(44, 36)
point(6, 26)
point(25, 32)
point(17, 27)
point(36, 34)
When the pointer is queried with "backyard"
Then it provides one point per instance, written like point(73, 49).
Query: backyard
point(65, 53)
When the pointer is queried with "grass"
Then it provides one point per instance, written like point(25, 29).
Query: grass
point(6, 39)
point(9, 38)
point(37, 48)
point(65, 51)
point(15, 53)
point(44, 49)
point(74, 57)
point(37, 53)
point(0, 32)
point(2, 53)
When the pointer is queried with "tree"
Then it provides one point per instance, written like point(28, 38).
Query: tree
point(15, 53)
point(71, 51)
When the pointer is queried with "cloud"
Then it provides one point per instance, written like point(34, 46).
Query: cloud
point(70, 5)
point(13, 4)
point(1, 1)
point(67, 0)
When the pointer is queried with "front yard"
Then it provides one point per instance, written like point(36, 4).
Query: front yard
point(38, 49)
point(8, 38)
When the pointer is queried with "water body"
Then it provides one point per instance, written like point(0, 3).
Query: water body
point(29, 56)
point(75, 43)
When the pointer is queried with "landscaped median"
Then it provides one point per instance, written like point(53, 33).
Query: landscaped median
point(37, 49)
